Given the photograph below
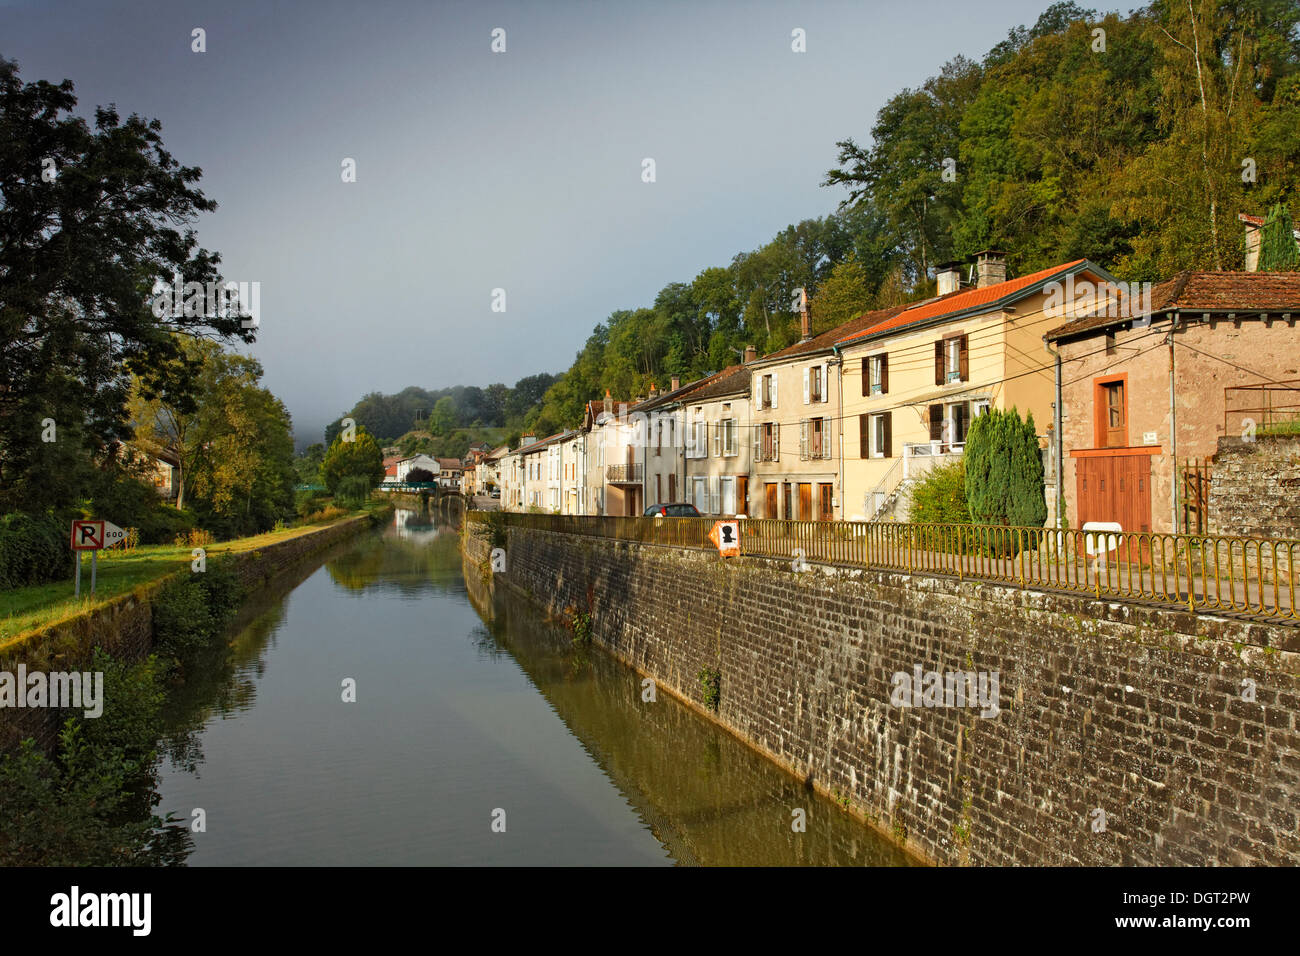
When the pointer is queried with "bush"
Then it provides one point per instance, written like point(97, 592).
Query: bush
point(189, 611)
point(34, 549)
point(1004, 471)
point(939, 497)
point(309, 502)
point(353, 491)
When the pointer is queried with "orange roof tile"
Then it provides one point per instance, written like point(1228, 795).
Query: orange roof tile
point(963, 301)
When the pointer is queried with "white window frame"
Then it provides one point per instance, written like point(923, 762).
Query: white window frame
point(731, 438)
point(878, 436)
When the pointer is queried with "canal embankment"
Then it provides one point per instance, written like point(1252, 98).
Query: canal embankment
point(1119, 733)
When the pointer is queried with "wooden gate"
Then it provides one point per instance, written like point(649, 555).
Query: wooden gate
point(1195, 495)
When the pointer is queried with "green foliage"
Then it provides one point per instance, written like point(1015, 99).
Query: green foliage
point(1004, 471)
point(352, 491)
point(360, 457)
point(494, 528)
point(939, 496)
point(189, 611)
point(33, 549)
point(1278, 249)
point(710, 687)
point(88, 803)
point(77, 265)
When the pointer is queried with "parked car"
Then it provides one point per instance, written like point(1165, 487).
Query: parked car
point(676, 509)
point(495, 493)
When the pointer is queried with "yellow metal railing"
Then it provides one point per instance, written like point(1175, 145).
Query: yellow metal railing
point(1207, 573)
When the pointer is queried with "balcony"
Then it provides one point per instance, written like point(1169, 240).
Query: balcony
point(623, 474)
point(920, 456)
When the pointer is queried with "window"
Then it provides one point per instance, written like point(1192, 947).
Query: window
point(769, 442)
point(814, 384)
point(951, 362)
point(788, 497)
point(730, 438)
point(875, 375)
point(882, 435)
point(659, 435)
point(1111, 404)
point(767, 391)
point(814, 438)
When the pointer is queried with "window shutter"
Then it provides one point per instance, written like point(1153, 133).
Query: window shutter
point(864, 436)
point(826, 382)
point(884, 373)
point(964, 361)
point(714, 495)
point(803, 438)
point(758, 438)
point(938, 362)
point(776, 442)
point(936, 422)
point(866, 376)
point(805, 386)
point(758, 394)
point(717, 440)
point(774, 392)
point(889, 435)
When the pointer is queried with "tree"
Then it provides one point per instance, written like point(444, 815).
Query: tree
point(444, 417)
point(419, 475)
point(846, 294)
point(359, 457)
point(91, 226)
point(1004, 471)
point(1278, 250)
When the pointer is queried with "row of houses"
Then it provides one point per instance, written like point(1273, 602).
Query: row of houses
point(1125, 383)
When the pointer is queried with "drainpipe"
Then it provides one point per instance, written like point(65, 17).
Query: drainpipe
point(839, 472)
point(1058, 440)
point(1173, 428)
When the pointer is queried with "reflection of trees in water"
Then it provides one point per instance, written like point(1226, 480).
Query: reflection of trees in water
point(402, 564)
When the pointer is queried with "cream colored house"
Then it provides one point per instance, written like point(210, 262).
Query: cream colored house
point(717, 442)
point(914, 381)
point(795, 440)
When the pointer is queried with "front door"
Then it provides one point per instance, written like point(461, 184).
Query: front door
point(805, 501)
point(825, 502)
point(770, 511)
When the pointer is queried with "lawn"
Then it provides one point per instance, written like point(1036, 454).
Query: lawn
point(23, 610)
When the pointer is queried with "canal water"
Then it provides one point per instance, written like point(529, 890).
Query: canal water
point(460, 720)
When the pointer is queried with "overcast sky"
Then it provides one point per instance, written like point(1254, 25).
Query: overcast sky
point(478, 170)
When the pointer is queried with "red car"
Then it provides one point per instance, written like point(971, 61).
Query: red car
point(677, 509)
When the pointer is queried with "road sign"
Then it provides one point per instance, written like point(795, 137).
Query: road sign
point(113, 535)
point(726, 535)
point(87, 535)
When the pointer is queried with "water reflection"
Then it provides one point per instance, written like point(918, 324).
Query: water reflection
point(456, 716)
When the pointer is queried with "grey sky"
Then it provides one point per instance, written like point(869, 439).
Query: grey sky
point(477, 170)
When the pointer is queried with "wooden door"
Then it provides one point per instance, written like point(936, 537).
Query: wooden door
point(742, 494)
point(826, 497)
point(770, 511)
point(1115, 488)
point(1115, 422)
point(805, 501)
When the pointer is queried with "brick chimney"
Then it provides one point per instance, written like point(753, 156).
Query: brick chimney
point(948, 276)
point(751, 354)
point(676, 382)
point(652, 390)
point(805, 324)
point(990, 268)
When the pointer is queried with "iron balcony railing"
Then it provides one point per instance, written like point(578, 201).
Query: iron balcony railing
point(1201, 573)
point(623, 473)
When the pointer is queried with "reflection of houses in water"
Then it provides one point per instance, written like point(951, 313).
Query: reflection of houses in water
point(417, 526)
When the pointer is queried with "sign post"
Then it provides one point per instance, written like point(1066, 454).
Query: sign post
point(93, 536)
point(726, 536)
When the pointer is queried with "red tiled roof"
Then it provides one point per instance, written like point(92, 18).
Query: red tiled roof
point(962, 301)
point(1243, 292)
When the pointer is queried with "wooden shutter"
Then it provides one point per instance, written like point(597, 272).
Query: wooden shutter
point(776, 442)
point(805, 386)
point(758, 442)
point(938, 362)
point(717, 440)
point(866, 376)
point(774, 390)
point(889, 435)
point(758, 394)
point(864, 436)
point(803, 438)
point(964, 361)
point(936, 422)
point(884, 373)
point(826, 382)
